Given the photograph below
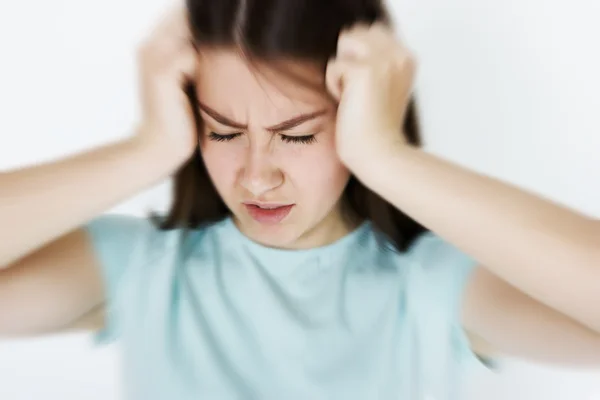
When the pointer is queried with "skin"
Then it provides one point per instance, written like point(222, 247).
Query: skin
point(513, 304)
point(257, 164)
point(534, 295)
point(289, 165)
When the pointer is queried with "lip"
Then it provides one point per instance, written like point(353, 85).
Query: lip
point(268, 213)
point(266, 205)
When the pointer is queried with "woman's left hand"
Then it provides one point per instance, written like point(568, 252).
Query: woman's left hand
point(372, 78)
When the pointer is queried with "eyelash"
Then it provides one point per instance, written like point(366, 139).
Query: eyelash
point(307, 139)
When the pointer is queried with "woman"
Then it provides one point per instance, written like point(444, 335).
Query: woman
point(284, 268)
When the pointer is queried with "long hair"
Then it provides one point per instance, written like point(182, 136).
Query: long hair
point(269, 30)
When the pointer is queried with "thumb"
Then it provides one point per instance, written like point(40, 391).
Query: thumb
point(338, 74)
point(334, 78)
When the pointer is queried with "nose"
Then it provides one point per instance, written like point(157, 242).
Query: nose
point(259, 174)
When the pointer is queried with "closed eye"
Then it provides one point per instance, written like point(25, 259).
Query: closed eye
point(223, 138)
point(306, 139)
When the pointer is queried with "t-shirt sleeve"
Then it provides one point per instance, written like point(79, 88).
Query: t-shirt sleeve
point(116, 240)
point(438, 276)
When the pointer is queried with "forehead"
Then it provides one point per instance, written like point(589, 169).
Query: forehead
point(252, 90)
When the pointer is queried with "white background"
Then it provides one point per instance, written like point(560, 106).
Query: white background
point(510, 88)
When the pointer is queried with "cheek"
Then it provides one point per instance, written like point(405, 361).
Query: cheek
point(222, 164)
point(330, 177)
point(318, 172)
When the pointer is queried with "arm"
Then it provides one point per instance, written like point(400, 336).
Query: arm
point(46, 202)
point(50, 278)
point(542, 261)
point(548, 252)
point(503, 321)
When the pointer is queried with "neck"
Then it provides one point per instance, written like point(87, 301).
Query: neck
point(332, 228)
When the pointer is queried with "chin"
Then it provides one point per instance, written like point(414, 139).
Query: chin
point(281, 235)
point(277, 241)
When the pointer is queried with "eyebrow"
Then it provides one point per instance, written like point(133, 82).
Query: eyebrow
point(282, 126)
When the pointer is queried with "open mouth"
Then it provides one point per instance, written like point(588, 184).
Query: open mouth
point(268, 213)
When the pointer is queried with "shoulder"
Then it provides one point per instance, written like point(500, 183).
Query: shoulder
point(431, 255)
point(430, 250)
point(120, 241)
point(122, 231)
point(438, 273)
point(144, 238)
point(436, 282)
point(118, 223)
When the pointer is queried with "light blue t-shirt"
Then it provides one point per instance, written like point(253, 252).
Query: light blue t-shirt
point(214, 315)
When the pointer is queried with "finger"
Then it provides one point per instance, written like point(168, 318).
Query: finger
point(362, 41)
point(174, 26)
point(182, 66)
point(332, 80)
point(175, 73)
point(336, 75)
point(352, 43)
point(382, 35)
point(380, 29)
point(352, 46)
point(186, 65)
point(169, 38)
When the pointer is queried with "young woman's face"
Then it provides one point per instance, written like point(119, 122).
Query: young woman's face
point(269, 147)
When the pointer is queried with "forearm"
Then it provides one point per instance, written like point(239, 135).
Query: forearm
point(548, 251)
point(41, 203)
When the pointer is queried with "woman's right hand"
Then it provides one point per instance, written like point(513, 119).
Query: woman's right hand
point(166, 60)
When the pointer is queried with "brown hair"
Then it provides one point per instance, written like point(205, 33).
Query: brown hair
point(272, 29)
